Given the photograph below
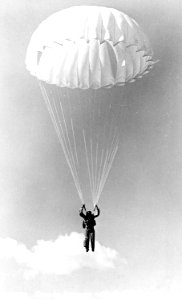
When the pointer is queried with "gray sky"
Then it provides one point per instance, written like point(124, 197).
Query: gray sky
point(141, 204)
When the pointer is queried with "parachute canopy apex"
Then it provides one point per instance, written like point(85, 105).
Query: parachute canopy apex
point(88, 47)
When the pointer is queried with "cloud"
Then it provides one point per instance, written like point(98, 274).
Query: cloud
point(62, 256)
point(158, 294)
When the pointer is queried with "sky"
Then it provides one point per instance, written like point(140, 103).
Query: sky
point(138, 235)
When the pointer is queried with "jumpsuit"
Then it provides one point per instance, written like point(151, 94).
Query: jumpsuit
point(89, 223)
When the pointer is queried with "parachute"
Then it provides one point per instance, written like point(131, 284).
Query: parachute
point(81, 57)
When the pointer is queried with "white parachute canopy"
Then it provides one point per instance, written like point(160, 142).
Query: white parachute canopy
point(75, 53)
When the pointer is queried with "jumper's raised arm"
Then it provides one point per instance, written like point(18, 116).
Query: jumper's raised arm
point(82, 214)
point(96, 211)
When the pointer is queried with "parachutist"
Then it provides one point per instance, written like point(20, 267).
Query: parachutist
point(88, 224)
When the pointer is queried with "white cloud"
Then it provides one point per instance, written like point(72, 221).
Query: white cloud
point(62, 256)
point(150, 294)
